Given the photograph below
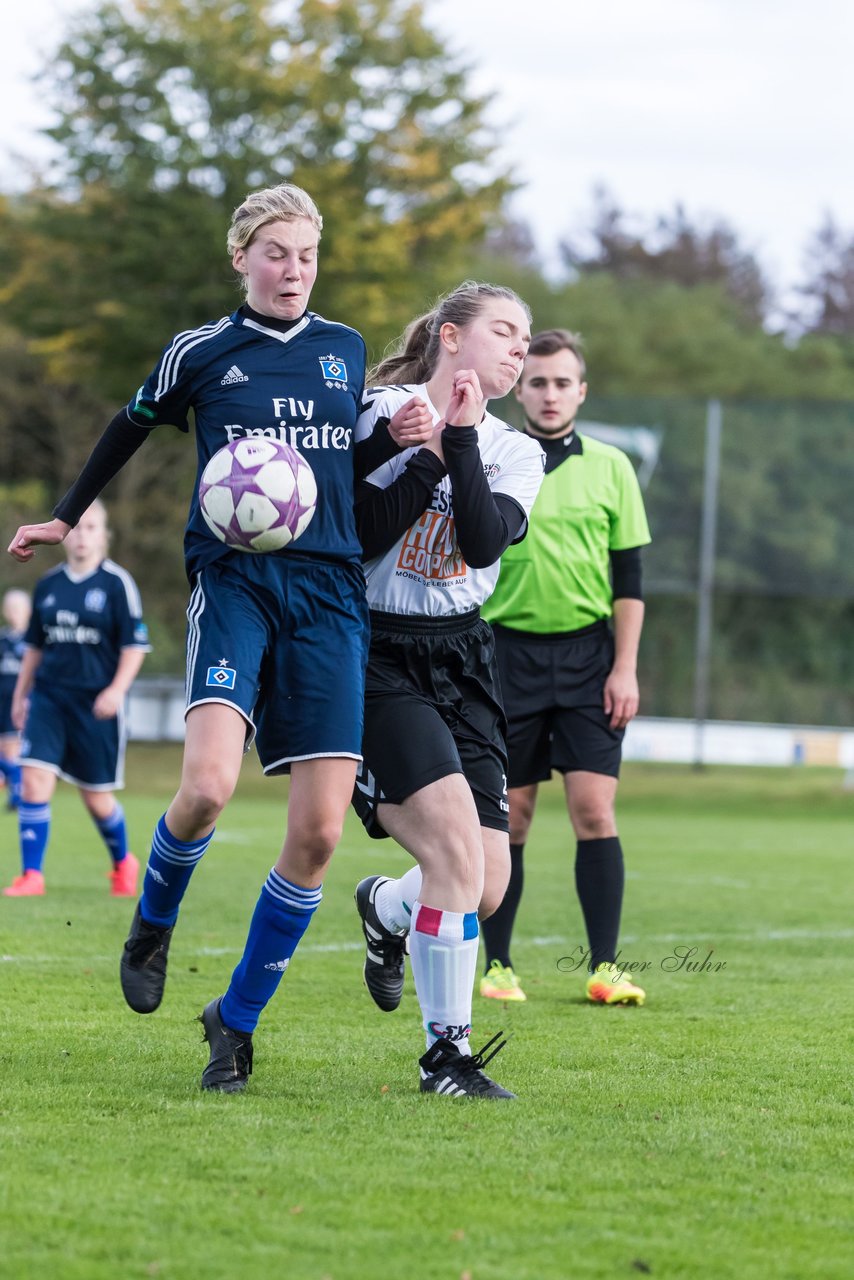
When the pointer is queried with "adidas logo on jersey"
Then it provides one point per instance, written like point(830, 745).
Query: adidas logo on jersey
point(155, 875)
point(278, 966)
point(234, 375)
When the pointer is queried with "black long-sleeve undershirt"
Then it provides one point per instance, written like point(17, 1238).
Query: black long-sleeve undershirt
point(383, 515)
point(486, 523)
point(626, 576)
point(119, 442)
point(376, 449)
point(484, 527)
point(122, 437)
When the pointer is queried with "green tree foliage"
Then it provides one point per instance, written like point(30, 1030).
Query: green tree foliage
point(672, 249)
point(167, 113)
point(829, 291)
point(170, 110)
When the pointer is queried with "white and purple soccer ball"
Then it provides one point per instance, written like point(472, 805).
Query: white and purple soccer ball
point(257, 494)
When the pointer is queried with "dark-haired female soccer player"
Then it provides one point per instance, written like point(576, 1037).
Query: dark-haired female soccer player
point(434, 522)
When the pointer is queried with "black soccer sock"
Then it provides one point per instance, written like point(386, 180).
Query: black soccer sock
point(599, 879)
point(499, 927)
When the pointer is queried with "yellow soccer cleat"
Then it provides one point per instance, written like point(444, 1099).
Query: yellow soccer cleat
point(501, 983)
point(610, 985)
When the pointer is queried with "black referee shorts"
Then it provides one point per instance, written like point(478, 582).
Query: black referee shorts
point(432, 708)
point(553, 686)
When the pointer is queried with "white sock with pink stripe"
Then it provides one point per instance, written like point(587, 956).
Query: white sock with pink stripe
point(443, 950)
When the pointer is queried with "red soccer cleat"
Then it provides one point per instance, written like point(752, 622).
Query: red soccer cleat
point(123, 879)
point(29, 885)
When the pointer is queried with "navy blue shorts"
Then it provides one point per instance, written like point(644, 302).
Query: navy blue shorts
point(283, 640)
point(62, 735)
point(553, 691)
point(6, 726)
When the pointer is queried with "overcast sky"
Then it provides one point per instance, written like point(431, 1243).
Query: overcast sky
point(736, 108)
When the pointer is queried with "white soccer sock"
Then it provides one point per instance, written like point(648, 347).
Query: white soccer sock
point(395, 899)
point(443, 950)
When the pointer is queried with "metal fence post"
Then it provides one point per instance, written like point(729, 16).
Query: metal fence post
point(706, 586)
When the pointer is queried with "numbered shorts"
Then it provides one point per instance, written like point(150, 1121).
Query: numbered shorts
point(553, 689)
point(62, 735)
point(432, 709)
point(284, 641)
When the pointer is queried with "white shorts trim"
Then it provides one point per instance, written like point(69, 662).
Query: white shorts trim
point(224, 702)
point(49, 767)
point(318, 755)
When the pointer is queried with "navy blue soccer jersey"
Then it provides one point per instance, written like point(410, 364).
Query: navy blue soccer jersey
point(81, 625)
point(302, 385)
point(11, 653)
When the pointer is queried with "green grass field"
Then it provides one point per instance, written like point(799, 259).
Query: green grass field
point(704, 1135)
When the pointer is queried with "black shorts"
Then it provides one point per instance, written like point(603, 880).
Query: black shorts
point(432, 708)
point(553, 686)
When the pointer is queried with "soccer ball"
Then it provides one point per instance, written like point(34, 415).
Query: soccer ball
point(257, 494)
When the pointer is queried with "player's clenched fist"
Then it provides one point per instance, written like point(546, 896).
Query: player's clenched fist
point(465, 407)
point(412, 425)
point(29, 536)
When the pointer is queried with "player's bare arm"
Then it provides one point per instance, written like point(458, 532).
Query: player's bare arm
point(108, 702)
point(30, 664)
point(621, 694)
point(29, 536)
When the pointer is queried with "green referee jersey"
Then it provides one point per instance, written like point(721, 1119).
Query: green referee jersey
point(558, 578)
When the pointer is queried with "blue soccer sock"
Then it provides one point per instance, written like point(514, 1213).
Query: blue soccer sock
point(281, 917)
point(12, 772)
point(13, 782)
point(171, 863)
point(34, 830)
point(114, 834)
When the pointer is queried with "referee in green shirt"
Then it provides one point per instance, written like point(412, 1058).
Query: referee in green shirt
point(567, 614)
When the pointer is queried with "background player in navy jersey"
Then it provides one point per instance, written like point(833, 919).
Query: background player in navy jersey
point(434, 522)
point(17, 607)
point(277, 643)
point(85, 644)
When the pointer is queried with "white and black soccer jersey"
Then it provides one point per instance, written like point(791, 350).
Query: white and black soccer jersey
point(301, 384)
point(81, 625)
point(424, 573)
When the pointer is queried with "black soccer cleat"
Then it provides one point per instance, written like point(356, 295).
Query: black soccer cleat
point(460, 1075)
point(143, 966)
point(230, 1064)
point(384, 963)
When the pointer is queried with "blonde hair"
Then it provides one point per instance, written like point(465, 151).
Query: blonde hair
point(285, 202)
point(416, 358)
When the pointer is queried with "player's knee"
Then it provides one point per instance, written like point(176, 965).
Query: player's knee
point(206, 798)
point(492, 897)
point(461, 864)
point(594, 823)
point(37, 785)
point(519, 828)
point(521, 817)
point(314, 846)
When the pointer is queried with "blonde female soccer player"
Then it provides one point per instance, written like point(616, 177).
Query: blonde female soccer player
point(276, 643)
